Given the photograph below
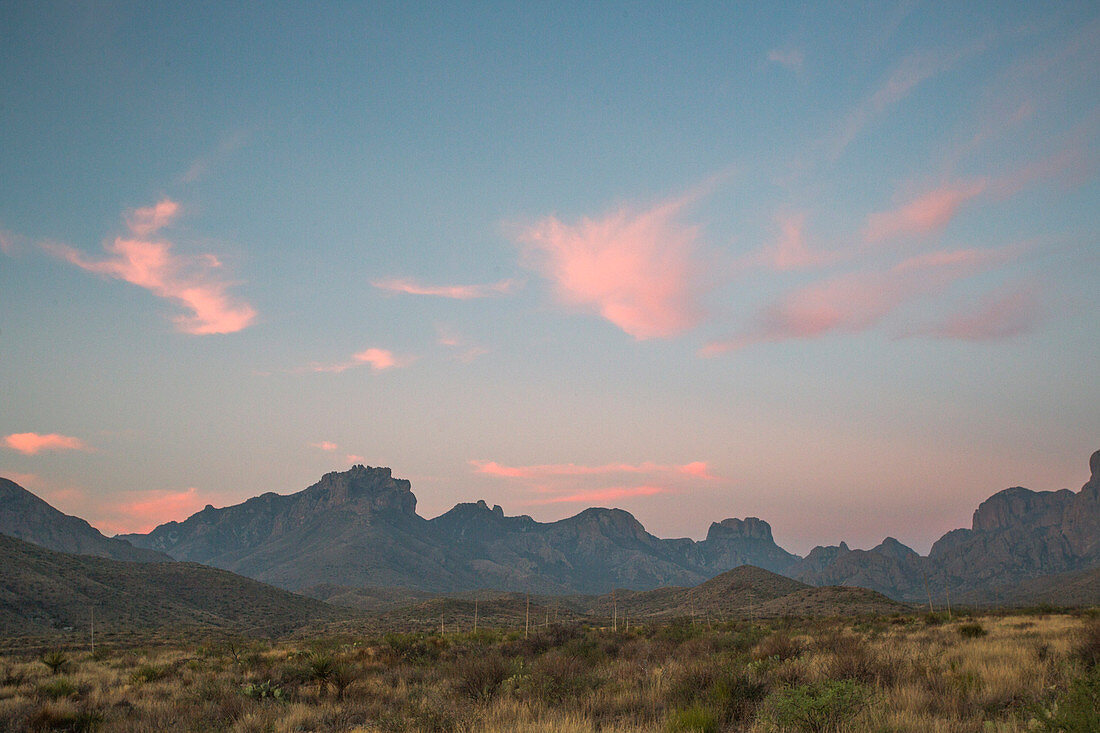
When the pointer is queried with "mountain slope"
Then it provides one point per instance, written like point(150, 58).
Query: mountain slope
point(360, 528)
point(25, 516)
point(42, 591)
point(1017, 536)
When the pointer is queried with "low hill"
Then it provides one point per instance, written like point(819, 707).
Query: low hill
point(29, 518)
point(42, 592)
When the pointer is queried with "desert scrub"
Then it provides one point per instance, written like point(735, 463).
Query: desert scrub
point(56, 660)
point(971, 630)
point(780, 646)
point(479, 676)
point(817, 708)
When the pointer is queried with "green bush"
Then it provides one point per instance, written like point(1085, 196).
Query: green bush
point(817, 708)
point(56, 660)
point(696, 718)
point(1078, 709)
point(148, 673)
point(971, 631)
point(266, 690)
point(57, 688)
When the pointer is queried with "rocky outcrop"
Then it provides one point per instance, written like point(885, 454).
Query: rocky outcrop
point(24, 516)
point(734, 542)
point(1016, 535)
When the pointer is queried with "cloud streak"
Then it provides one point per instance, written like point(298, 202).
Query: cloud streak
point(636, 269)
point(928, 213)
point(455, 292)
point(857, 301)
point(696, 469)
point(1002, 314)
point(191, 282)
point(379, 360)
point(30, 444)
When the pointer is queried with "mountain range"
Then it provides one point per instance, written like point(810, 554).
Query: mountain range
point(359, 528)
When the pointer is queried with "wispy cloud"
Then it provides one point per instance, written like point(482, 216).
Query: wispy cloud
point(456, 292)
point(636, 269)
point(929, 212)
point(192, 282)
point(31, 443)
point(858, 301)
point(601, 495)
point(377, 359)
point(789, 251)
point(462, 349)
point(791, 58)
point(1001, 314)
point(325, 446)
point(912, 71)
point(144, 512)
point(696, 469)
point(149, 219)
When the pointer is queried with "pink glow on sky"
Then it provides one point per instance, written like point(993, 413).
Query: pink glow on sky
point(636, 269)
point(925, 214)
point(1002, 314)
point(325, 446)
point(144, 221)
point(599, 495)
point(159, 506)
point(697, 469)
point(31, 443)
point(457, 292)
point(857, 301)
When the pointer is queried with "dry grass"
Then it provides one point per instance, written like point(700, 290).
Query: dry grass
point(1025, 673)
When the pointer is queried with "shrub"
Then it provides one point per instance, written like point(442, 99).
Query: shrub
point(852, 659)
point(1088, 644)
point(696, 718)
point(817, 708)
point(478, 677)
point(57, 688)
point(81, 720)
point(266, 690)
point(148, 673)
point(56, 660)
point(1078, 709)
point(779, 645)
point(972, 630)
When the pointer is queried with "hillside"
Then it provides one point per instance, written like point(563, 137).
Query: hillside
point(24, 515)
point(42, 591)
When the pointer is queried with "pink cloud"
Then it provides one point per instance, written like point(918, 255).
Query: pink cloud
point(377, 359)
point(457, 292)
point(790, 251)
point(7, 243)
point(325, 446)
point(927, 213)
point(636, 269)
point(190, 281)
point(600, 495)
point(1002, 314)
point(858, 301)
point(144, 221)
point(352, 458)
point(697, 469)
point(32, 443)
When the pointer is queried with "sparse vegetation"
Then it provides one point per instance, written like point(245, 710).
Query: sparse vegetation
point(892, 673)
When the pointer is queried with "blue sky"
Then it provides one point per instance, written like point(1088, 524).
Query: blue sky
point(833, 267)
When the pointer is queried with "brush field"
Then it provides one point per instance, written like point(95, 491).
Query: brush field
point(903, 672)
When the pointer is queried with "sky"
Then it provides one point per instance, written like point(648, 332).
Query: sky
point(832, 265)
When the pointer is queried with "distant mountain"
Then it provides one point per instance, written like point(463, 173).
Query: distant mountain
point(24, 515)
point(360, 528)
point(1017, 538)
point(43, 591)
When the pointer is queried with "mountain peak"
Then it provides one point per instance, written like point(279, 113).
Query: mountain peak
point(373, 489)
point(751, 528)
